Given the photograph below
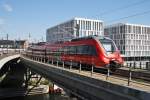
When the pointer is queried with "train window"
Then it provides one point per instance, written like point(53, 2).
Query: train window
point(92, 51)
point(82, 49)
point(66, 50)
point(72, 50)
point(61, 50)
point(79, 49)
point(108, 45)
point(86, 49)
point(49, 51)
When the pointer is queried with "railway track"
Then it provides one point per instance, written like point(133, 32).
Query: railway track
point(136, 75)
point(141, 75)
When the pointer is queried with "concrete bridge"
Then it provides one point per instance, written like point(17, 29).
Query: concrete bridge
point(6, 58)
point(12, 76)
point(82, 84)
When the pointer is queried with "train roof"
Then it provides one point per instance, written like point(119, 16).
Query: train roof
point(90, 37)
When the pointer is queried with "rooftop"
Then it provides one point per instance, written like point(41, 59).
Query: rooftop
point(6, 42)
point(11, 42)
point(76, 18)
point(119, 24)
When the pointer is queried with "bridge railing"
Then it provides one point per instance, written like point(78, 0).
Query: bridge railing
point(108, 74)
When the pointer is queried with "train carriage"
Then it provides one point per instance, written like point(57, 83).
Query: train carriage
point(92, 50)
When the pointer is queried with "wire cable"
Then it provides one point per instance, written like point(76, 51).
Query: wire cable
point(123, 7)
point(130, 16)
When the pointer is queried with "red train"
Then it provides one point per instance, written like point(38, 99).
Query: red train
point(92, 50)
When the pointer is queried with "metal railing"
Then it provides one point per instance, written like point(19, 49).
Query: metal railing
point(108, 74)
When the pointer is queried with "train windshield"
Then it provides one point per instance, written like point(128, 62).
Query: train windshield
point(108, 45)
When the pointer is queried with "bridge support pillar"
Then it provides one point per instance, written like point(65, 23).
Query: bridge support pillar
point(29, 76)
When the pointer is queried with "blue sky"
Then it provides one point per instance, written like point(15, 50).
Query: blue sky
point(18, 18)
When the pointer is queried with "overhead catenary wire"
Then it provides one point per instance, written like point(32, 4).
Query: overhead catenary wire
point(123, 7)
point(130, 16)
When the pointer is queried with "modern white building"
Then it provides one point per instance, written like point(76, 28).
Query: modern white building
point(76, 27)
point(133, 40)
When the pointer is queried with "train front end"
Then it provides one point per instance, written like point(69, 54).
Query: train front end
point(112, 56)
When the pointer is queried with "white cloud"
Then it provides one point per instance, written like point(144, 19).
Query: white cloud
point(8, 7)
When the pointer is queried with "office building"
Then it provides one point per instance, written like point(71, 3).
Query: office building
point(76, 27)
point(133, 40)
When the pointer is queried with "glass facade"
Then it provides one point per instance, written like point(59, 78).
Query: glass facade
point(131, 39)
point(77, 27)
